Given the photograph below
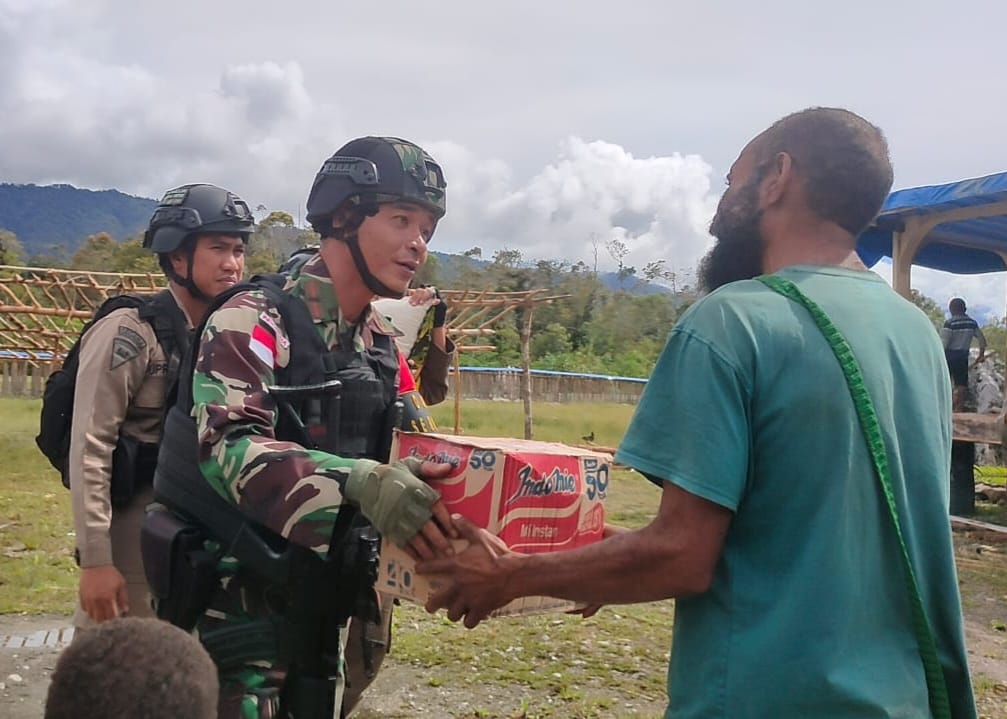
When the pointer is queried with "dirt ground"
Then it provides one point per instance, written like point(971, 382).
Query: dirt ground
point(400, 692)
point(403, 691)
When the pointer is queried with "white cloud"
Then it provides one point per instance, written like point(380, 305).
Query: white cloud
point(590, 193)
point(272, 93)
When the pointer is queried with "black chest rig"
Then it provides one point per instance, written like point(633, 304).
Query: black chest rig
point(337, 400)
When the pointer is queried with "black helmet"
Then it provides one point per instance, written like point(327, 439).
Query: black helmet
point(196, 208)
point(376, 169)
point(373, 170)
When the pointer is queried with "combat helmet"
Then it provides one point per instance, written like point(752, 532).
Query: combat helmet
point(196, 209)
point(190, 210)
point(370, 171)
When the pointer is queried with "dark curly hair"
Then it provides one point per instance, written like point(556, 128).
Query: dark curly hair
point(841, 156)
point(137, 668)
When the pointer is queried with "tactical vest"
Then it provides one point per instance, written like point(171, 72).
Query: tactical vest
point(354, 420)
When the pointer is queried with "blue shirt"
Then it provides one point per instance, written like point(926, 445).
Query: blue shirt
point(808, 614)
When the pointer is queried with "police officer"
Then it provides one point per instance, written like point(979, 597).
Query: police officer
point(375, 204)
point(199, 233)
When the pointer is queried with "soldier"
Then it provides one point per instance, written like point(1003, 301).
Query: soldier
point(199, 233)
point(293, 396)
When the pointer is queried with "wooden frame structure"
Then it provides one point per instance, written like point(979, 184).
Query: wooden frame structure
point(473, 315)
point(42, 310)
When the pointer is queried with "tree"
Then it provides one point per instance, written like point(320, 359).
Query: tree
point(11, 251)
point(996, 336)
point(428, 273)
point(97, 253)
point(618, 250)
point(132, 256)
point(929, 306)
point(554, 339)
point(261, 259)
point(278, 218)
point(53, 256)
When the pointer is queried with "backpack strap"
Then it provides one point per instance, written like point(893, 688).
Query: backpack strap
point(936, 687)
point(305, 351)
point(168, 321)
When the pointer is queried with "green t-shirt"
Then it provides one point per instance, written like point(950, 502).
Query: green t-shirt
point(808, 614)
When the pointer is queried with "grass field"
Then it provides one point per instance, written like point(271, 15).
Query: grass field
point(555, 666)
point(37, 571)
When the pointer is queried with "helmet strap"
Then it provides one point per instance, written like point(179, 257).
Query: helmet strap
point(186, 282)
point(373, 283)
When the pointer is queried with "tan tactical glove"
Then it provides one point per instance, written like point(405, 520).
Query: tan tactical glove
point(392, 496)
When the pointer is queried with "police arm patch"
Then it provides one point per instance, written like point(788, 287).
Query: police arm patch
point(123, 350)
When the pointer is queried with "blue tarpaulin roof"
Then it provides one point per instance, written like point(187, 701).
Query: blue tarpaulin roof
point(945, 246)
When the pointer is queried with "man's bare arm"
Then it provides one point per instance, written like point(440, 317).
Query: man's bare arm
point(675, 555)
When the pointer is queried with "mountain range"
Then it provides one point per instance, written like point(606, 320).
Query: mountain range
point(53, 221)
point(46, 217)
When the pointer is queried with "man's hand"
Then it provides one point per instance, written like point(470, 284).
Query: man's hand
point(103, 592)
point(431, 296)
point(423, 295)
point(477, 577)
point(402, 506)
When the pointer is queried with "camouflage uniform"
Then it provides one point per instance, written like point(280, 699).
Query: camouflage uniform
point(121, 387)
point(293, 491)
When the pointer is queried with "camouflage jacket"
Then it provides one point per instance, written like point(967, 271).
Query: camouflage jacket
point(293, 491)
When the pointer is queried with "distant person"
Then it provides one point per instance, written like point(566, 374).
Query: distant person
point(199, 233)
point(135, 668)
point(957, 336)
point(774, 533)
point(433, 352)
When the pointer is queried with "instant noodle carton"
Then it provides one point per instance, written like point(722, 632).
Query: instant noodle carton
point(535, 496)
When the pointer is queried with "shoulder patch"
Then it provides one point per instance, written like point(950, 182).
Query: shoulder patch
point(262, 343)
point(266, 319)
point(123, 350)
point(133, 336)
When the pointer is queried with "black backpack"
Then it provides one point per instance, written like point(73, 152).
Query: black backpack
point(163, 314)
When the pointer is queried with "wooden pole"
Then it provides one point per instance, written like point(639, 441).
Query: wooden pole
point(529, 310)
point(458, 391)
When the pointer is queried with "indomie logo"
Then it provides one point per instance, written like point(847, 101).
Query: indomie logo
point(558, 481)
point(440, 456)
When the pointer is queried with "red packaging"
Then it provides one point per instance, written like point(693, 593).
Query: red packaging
point(536, 496)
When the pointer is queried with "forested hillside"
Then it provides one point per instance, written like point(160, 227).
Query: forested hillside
point(52, 220)
point(610, 323)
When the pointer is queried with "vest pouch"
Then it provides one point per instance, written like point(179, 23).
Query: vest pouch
point(180, 570)
point(360, 411)
point(133, 464)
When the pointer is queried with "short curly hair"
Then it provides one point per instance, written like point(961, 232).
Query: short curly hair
point(841, 156)
point(137, 668)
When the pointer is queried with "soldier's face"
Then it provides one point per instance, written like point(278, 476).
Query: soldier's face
point(394, 242)
point(218, 262)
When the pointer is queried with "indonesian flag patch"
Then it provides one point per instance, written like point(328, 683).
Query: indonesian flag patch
point(263, 345)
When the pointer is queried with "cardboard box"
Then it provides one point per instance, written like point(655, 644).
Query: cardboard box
point(536, 496)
